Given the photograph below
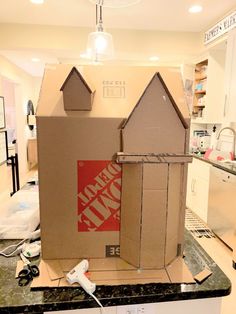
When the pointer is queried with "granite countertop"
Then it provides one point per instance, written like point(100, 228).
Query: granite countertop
point(231, 168)
point(15, 299)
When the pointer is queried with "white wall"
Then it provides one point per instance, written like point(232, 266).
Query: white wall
point(25, 88)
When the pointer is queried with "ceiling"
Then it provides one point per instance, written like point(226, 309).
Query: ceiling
point(171, 15)
point(168, 15)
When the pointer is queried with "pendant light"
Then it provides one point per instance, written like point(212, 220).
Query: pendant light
point(100, 43)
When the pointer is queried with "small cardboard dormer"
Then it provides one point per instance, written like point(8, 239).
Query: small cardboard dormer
point(154, 164)
point(77, 94)
point(155, 125)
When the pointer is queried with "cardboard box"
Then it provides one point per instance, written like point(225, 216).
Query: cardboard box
point(79, 180)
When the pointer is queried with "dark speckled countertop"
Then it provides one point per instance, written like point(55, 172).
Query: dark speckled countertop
point(15, 299)
point(231, 168)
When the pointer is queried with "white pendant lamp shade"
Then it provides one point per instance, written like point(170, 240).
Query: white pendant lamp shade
point(100, 46)
point(115, 3)
point(100, 43)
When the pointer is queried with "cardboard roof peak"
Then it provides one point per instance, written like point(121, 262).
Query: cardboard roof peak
point(128, 81)
point(158, 76)
point(74, 70)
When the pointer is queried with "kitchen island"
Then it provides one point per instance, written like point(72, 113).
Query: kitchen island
point(15, 299)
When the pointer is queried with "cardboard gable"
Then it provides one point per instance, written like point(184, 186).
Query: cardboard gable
point(153, 179)
point(155, 125)
point(77, 94)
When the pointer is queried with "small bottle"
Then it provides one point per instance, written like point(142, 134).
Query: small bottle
point(213, 138)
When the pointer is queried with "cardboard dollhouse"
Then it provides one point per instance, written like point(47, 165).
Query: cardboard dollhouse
point(112, 164)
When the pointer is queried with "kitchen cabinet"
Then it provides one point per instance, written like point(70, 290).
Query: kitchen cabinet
point(209, 87)
point(229, 110)
point(198, 187)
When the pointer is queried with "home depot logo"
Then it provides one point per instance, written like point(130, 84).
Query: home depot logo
point(99, 191)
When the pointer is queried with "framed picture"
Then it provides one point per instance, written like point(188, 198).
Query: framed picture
point(3, 147)
point(2, 113)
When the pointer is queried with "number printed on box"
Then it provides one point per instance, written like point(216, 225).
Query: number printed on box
point(112, 250)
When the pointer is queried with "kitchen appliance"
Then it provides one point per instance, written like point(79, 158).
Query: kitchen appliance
point(204, 142)
point(221, 205)
point(200, 141)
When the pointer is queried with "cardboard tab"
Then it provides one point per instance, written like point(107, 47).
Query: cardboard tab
point(203, 275)
point(54, 269)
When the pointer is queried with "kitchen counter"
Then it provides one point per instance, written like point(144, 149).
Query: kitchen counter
point(15, 299)
point(231, 168)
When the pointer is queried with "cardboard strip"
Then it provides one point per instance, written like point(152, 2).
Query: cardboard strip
point(203, 275)
point(178, 272)
point(152, 158)
point(54, 269)
point(123, 277)
point(109, 264)
point(68, 264)
point(156, 275)
point(43, 280)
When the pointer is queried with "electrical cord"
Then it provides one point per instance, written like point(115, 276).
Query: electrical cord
point(98, 302)
point(17, 248)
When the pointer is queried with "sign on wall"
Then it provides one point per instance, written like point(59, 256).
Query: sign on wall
point(220, 28)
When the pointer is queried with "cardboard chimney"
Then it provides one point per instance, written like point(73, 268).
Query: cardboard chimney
point(88, 157)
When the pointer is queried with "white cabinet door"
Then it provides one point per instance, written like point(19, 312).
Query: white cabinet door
point(197, 188)
point(230, 78)
point(215, 87)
